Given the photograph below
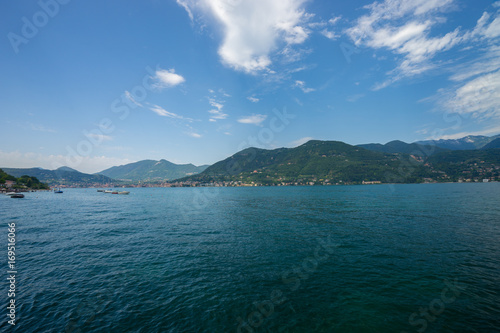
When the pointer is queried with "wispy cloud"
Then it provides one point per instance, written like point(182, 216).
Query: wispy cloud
point(253, 99)
point(164, 113)
point(194, 135)
point(184, 4)
point(486, 132)
point(129, 96)
point(216, 113)
point(41, 128)
point(167, 78)
point(255, 119)
point(404, 27)
point(354, 98)
point(330, 34)
point(99, 137)
point(302, 86)
point(253, 29)
point(479, 97)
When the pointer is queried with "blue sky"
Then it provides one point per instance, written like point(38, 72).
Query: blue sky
point(92, 84)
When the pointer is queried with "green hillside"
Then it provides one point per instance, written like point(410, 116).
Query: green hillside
point(23, 182)
point(467, 164)
point(397, 146)
point(152, 171)
point(314, 162)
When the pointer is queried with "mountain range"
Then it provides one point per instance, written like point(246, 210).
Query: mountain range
point(61, 176)
point(333, 162)
point(152, 171)
point(397, 146)
point(315, 162)
point(469, 142)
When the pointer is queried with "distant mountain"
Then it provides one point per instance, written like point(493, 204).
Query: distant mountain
point(152, 171)
point(313, 162)
point(397, 146)
point(466, 143)
point(65, 168)
point(493, 144)
point(61, 176)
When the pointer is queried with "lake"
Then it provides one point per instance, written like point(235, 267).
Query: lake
point(381, 258)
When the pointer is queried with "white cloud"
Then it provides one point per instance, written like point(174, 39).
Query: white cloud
point(301, 141)
point(254, 29)
point(404, 27)
point(330, 34)
point(493, 29)
point(487, 63)
point(215, 104)
point(486, 132)
point(129, 96)
point(87, 164)
point(194, 135)
point(167, 78)
point(334, 20)
point(255, 119)
point(479, 97)
point(302, 86)
point(164, 113)
point(99, 137)
point(253, 99)
point(216, 114)
point(184, 5)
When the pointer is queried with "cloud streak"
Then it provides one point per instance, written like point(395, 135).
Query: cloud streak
point(164, 113)
point(255, 119)
point(302, 86)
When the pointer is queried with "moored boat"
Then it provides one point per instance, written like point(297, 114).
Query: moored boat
point(124, 192)
point(17, 195)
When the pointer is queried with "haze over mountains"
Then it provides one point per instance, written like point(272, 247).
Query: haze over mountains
point(472, 157)
point(61, 176)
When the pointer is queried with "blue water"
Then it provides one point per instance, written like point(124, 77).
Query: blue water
point(403, 258)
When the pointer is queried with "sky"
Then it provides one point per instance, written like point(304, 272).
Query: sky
point(94, 84)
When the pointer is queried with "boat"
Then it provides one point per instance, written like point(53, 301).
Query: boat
point(58, 191)
point(114, 192)
point(124, 192)
point(10, 193)
point(100, 190)
point(17, 195)
point(108, 191)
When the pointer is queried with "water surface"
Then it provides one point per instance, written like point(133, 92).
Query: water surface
point(265, 259)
